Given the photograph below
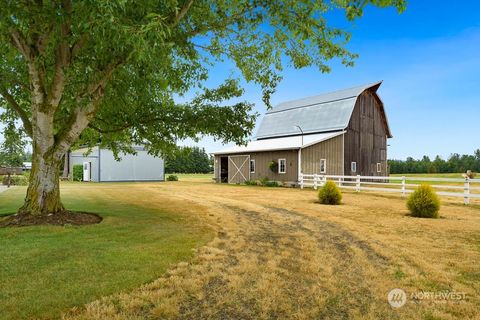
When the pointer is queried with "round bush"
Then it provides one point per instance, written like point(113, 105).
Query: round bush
point(330, 193)
point(172, 177)
point(424, 202)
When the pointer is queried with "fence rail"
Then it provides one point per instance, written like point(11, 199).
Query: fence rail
point(396, 184)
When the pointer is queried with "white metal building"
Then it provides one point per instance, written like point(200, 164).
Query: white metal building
point(100, 165)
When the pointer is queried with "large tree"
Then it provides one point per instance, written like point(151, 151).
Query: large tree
point(108, 71)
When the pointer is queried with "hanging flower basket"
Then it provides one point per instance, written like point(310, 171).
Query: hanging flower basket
point(273, 165)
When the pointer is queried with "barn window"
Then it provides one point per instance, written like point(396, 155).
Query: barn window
point(323, 165)
point(379, 167)
point(354, 167)
point(282, 165)
point(252, 166)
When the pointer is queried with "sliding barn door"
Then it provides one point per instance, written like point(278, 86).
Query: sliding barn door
point(238, 169)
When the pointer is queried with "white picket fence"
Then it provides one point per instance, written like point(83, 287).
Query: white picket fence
point(469, 189)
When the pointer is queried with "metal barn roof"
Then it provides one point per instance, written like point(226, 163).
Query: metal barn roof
point(325, 112)
point(285, 143)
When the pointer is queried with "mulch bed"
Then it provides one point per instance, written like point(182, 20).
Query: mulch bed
point(57, 219)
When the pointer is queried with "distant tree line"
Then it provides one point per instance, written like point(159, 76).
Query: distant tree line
point(188, 160)
point(12, 149)
point(455, 163)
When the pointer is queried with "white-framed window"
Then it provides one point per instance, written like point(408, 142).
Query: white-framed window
point(323, 165)
point(353, 167)
point(252, 166)
point(282, 165)
point(379, 167)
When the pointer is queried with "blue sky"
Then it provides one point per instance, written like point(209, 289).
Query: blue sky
point(428, 58)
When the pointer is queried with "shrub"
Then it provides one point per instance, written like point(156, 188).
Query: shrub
point(172, 177)
point(424, 202)
point(264, 181)
point(330, 193)
point(16, 180)
point(251, 182)
point(77, 174)
point(272, 184)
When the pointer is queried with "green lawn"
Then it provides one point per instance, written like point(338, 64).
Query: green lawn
point(49, 269)
point(430, 175)
point(435, 175)
point(193, 176)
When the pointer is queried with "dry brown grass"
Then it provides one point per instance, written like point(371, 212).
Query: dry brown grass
point(278, 254)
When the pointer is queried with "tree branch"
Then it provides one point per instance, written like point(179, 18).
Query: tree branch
point(20, 43)
point(107, 73)
point(62, 59)
point(82, 115)
point(119, 129)
point(78, 45)
point(27, 124)
point(37, 75)
point(182, 12)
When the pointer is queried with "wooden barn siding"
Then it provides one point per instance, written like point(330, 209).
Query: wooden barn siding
point(366, 137)
point(262, 159)
point(331, 150)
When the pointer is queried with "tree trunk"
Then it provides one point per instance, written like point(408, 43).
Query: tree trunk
point(43, 193)
point(66, 165)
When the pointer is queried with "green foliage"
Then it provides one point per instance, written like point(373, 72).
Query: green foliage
point(454, 164)
point(330, 193)
point(263, 181)
point(77, 174)
point(251, 182)
point(19, 180)
point(273, 166)
point(12, 149)
point(271, 183)
point(266, 182)
point(172, 177)
point(188, 160)
point(424, 202)
point(126, 74)
point(16, 180)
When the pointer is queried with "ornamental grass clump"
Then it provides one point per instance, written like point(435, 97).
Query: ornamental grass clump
point(424, 202)
point(330, 194)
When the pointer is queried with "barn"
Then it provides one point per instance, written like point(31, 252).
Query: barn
point(339, 133)
point(99, 165)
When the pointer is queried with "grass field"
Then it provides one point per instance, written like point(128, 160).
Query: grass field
point(47, 270)
point(205, 177)
point(276, 253)
point(430, 175)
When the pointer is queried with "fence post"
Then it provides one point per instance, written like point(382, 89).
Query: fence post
point(300, 178)
point(315, 179)
point(323, 179)
point(358, 184)
point(403, 187)
point(466, 191)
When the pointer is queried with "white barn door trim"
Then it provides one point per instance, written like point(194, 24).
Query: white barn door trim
point(238, 169)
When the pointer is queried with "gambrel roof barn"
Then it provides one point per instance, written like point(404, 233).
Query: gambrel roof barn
point(339, 133)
